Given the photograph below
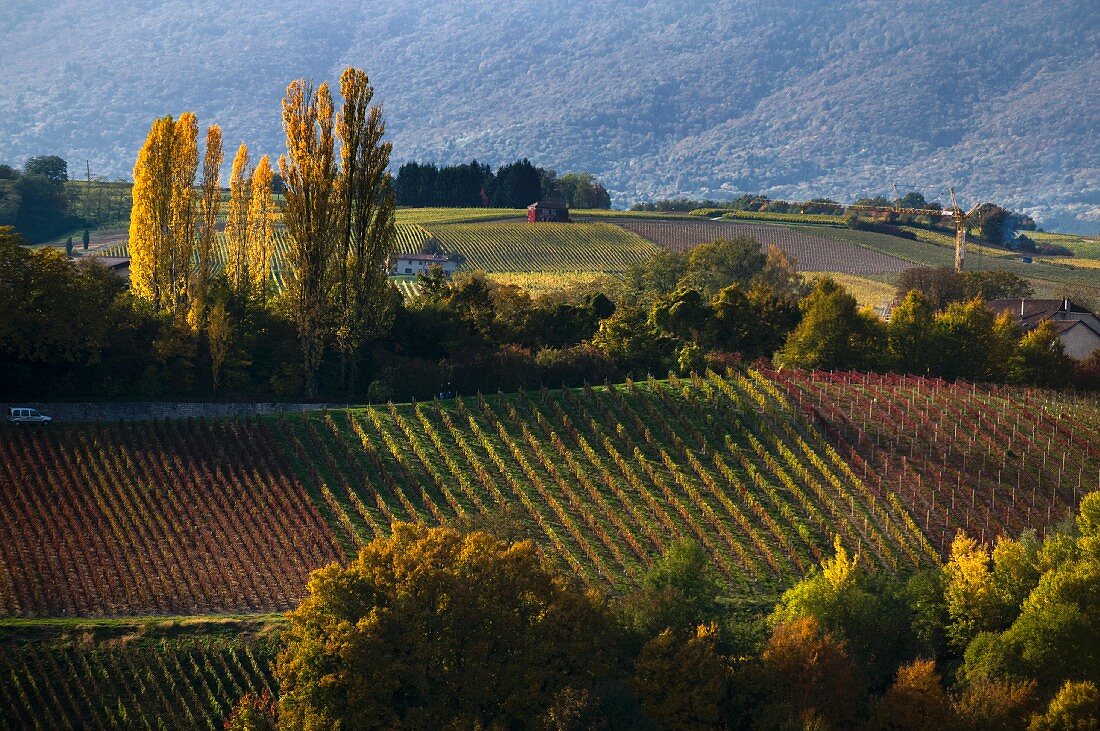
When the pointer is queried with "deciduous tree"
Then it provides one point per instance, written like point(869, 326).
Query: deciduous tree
point(368, 213)
point(261, 231)
point(236, 225)
point(311, 215)
point(433, 628)
point(209, 201)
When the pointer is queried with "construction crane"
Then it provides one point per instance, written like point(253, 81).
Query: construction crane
point(961, 219)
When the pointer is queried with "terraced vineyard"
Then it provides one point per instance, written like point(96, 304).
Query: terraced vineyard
point(988, 460)
point(173, 684)
point(813, 253)
point(175, 517)
point(543, 247)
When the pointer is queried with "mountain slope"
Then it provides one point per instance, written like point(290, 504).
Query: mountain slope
point(794, 98)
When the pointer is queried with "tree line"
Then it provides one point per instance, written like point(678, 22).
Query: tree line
point(515, 185)
point(452, 627)
point(74, 331)
point(42, 202)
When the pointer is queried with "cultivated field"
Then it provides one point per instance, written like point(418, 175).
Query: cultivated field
point(988, 460)
point(543, 247)
point(173, 517)
point(813, 253)
point(761, 468)
point(72, 682)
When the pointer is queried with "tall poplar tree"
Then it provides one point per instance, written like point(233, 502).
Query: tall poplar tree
point(261, 229)
point(311, 215)
point(367, 208)
point(209, 201)
point(162, 223)
point(236, 224)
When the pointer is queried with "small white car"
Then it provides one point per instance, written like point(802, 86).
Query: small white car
point(19, 415)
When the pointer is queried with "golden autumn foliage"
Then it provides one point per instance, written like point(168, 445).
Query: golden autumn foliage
point(311, 215)
point(683, 684)
point(236, 224)
point(806, 679)
point(206, 235)
point(261, 230)
point(433, 628)
point(917, 700)
point(162, 222)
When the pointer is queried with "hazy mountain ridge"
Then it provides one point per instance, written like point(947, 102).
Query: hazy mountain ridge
point(795, 98)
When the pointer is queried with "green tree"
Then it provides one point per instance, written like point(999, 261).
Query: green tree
point(85, 239)
point(1040, 358)
point(994, 285)
point(867, 612)
point(833, 333)
point(50, 167)
point(911, 335)
point(69, 246)
point(1075, 708)
point(516, 185)
point(718, 264)
point(679, 592)
point(433, 628)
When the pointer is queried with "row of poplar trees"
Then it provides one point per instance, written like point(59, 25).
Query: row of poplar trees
point(337, 214)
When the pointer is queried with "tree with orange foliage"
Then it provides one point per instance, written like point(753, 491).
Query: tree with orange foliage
point(805, 679)
point(917, 700)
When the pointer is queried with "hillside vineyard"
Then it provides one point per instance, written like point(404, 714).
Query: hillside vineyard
point(763, 469)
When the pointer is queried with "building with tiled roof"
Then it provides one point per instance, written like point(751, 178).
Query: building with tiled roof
point(1078, 329)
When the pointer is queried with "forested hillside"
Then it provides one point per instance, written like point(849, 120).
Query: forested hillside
point(794, 99)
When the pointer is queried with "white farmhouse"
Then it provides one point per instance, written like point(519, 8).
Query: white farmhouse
point(406, 264)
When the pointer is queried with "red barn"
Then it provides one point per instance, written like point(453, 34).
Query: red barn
point(548, 211)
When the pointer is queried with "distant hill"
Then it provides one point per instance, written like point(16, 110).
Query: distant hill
point(796, 98)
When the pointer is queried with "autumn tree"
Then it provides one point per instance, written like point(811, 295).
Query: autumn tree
point(368, 215)
point(434, 628)
point(1076, 707)
point(833, 333)
point(207, 228)
point(162, 223)
point(683, 683)
point(917, 700)
point(261, 230)
point(805, 680)
point(236, 225)
point(311, 215)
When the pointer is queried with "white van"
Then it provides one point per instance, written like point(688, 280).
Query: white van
point(19, 415)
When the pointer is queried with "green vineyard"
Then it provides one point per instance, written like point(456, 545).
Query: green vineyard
point(762, 469)
point(187, 683)
point(543, 247)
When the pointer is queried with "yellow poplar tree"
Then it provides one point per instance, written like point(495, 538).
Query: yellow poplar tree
point(150, 216)
point(311, 216)
point(162, 223)
point(236, 224)
point(367, 208)
point(209, 201)
point(261, 229)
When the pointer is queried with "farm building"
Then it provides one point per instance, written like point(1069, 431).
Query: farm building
point(1078, 329)
point(421, 263)
point(548, 211)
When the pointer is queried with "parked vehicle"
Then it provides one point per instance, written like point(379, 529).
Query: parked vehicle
point(20, 415)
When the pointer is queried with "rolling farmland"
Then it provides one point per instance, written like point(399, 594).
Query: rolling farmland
point(988, 460)
point(543, 247)
point(760, 468)
point(173, 517)
point(813, 253)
